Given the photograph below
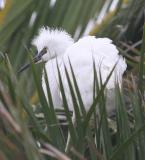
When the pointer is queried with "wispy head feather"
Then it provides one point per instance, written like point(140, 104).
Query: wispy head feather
point(55, 39)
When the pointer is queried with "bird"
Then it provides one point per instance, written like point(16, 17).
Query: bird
point(57, 48)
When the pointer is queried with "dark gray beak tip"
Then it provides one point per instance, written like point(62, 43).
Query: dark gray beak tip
point(24, 67)
point(36, 59)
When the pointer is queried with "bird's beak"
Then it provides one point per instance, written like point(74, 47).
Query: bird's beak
point(36, 59)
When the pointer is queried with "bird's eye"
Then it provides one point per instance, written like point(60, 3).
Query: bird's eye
point(45, 48)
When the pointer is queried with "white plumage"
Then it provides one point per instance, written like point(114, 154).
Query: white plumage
point(60, 46)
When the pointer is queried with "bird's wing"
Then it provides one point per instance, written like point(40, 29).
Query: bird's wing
point(81, 55)
point(103, 52)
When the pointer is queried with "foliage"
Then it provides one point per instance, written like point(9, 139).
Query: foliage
point(30, 129)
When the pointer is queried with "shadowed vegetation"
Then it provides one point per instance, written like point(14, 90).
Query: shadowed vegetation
point(29, 127)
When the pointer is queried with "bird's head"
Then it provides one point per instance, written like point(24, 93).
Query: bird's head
point(50, 43)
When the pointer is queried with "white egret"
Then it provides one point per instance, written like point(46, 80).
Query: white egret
point(55, 44)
